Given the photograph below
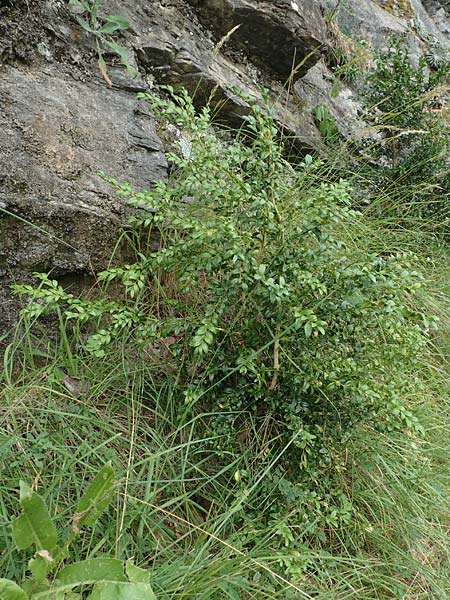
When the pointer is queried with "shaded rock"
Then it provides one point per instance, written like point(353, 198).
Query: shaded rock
point(432, 22)
point(283, 35)
point(175, 50)
point(20, 24)
point(434, 6)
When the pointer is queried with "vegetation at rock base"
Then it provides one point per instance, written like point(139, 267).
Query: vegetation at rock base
point(407, 107)
point(269, 388)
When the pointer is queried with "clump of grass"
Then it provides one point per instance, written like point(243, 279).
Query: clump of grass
point(179, 509)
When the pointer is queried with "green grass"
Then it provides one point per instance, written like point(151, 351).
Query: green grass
point(178, 508)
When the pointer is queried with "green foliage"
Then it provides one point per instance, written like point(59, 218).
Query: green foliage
point(275, 317)
point(11, 591)
point(111, 578)
point(406, 107)
point(102, 28)
point(96, 498)
point(326, 124)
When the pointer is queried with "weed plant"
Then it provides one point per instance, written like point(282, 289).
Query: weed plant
point(102, 29)
point(259, 384)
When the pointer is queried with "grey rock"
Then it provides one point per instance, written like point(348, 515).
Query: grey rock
point(431, 24)
point(176, 51)
point(427, 20)
point(364, 19)
point(316, 88)
point(285, 35)
point(434, 6)
point(56, 133)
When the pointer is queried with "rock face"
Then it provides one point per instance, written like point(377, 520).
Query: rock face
point(58, 214)
point(292, 32)
point(367, 20)
point(433, 6)
point(60, 122)
point(59, 125)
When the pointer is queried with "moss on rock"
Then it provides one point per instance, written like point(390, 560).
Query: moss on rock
point(398, 8)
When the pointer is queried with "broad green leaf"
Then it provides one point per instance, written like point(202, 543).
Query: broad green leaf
point(91, 571)
point(114, 23)
point(124, 24)
point(11, 591)
point(34, 525)
point(109, 28)
point(41, 565)
point(95, 499)
point(123, 54)
point(49, 594)
point(136, 574)
point(107, 590)
point(55, 594)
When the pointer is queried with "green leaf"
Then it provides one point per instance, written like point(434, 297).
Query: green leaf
point(114, 23)
point(119, 50)
point(11, 591)
point(95, 499)
point(230, 591)
point(94, 11)
point(109, 28)
point(122, 591)
point(136, 574)
point(55, 594)
point(34, 525)
point(335, 88)
point(91, 571)
point(85, 25)
point(50, 594)
point(41, 565)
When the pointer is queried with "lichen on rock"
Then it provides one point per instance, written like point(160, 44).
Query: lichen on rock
point(398, 8)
